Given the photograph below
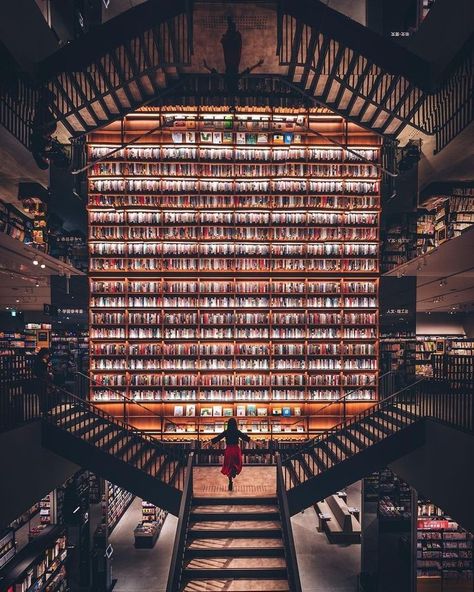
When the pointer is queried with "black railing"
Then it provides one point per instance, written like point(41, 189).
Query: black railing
point(17, 109)
point(166, 461)
point(19, 400)
point(177, 559)
point(410, 404)
point(83, 385)
point(287, 531)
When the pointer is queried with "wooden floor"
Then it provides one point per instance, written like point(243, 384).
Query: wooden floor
point(252, 482)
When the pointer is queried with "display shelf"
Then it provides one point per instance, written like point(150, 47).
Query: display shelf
point(41, 565)
point(234, 258)
point(444, 550)
point(115, 501)
point(7, 546)
point(148, 530)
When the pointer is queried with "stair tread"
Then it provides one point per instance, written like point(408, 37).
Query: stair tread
point(230, 543)
point(236, 524)
point(240, 585)
point(236, 563)
point(218, 509)
point(234, 500)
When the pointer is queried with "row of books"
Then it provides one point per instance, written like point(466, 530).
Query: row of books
point(231, 380)
point(235, 249)
point(199, 169)
point(229, 364)
point(150, 185)
point(237, 286)
point(236, 301)
point(227, 153)
point(242, 202)
point(234, 349)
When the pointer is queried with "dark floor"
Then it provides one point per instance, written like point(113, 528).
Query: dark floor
point(141, 570)
point(324, 567)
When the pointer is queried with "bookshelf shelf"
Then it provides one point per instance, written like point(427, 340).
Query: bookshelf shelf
point(233, 258)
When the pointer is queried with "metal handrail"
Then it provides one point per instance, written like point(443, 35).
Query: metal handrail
point(128, 399)
point(91, 408)
point(290, 550)
point(177, 559)
point(354, 419)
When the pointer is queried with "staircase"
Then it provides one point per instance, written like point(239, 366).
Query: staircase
point(367, 442)
point(94, 440)
point(372, 81)
point(234, 543)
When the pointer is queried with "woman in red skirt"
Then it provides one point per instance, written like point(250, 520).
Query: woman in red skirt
point(233, 454)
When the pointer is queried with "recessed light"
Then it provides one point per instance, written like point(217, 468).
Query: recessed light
point(42, 266)
point(35, 262)
point(17, 301)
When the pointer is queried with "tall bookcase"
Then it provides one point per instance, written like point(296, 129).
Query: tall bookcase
point(234, 260)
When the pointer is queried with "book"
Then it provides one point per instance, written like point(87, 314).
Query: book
point(262, 138)
point(206, 411)
point(217, 411)
point(276, 411)
point(288, 138)
point(240, 410)
point(251, 138)
point(240, 138)
point(177, 137)
point(206, 137)
point(286, 412)
point(190, 137)
point(227, 138)
point(228, 122)
point(227, 412)
point(190, 410)
point(252, 410)
point(278, 138)
point(217, 138)
point(297, 411)
point(178, 411)
point(262, 411)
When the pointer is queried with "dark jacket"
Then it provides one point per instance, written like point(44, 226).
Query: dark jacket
point(231, 437)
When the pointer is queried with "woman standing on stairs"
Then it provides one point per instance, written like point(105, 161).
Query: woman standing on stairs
point(233, 455)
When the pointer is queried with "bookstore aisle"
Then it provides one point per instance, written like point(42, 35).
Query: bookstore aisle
point(137, 570)
point(325, 567)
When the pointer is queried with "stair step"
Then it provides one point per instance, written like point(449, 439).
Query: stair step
point(235, 529)
point(391, 416)
point(239, 545)
point(219, 562)
point(236, 573)
point(378, 423)
point(241, 501)
point(238, 512)
point(240, 585)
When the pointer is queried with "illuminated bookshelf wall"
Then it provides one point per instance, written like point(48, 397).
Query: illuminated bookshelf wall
point(234, 265)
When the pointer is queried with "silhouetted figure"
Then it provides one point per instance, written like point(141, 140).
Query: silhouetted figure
point(232, 45)
point(233, 455)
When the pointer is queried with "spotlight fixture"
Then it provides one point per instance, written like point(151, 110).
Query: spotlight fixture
point(443, 282)
point(42, 266)
point(419, 267)
point(37, 284)
point(35, 262)
point(17, 301)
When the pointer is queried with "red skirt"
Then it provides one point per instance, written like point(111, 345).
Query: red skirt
point(232, 461)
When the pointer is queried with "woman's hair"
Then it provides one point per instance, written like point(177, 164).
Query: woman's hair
point(232, 424)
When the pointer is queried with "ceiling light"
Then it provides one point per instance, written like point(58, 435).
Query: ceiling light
point(42, 266)
point(35, 262)
point(17, 301)
point(443, 283)
point(37, 284)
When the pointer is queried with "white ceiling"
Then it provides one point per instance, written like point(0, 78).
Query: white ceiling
point(445, 277)
point(19, 276)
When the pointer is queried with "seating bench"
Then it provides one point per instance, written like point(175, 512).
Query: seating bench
point(338, 523)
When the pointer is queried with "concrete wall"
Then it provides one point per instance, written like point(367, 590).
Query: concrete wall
point(28, 471)
point(439, 323)
point(442, 470)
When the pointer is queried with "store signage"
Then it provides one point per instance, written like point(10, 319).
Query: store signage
point(50, 310)
point(432, 524)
